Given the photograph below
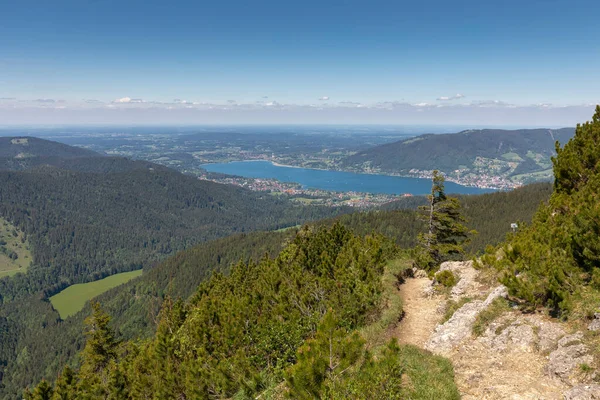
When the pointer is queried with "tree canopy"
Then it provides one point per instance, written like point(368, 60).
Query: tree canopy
point(555, 262)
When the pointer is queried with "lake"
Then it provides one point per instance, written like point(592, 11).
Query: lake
point(336, 180)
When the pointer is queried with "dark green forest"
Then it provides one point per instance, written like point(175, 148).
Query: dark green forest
point(86, 216)
point(84, 226)
point(290, 318)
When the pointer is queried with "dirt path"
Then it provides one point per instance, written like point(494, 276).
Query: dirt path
point(482, 373)
point(420, 312)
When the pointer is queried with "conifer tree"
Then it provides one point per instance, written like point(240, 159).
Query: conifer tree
point(323, 358)
point(43, 391)
point(100, 349)
point(66, 385)
point(445, 233)
point(555, 262)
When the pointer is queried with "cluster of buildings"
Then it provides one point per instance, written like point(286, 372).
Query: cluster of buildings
point(301, 194)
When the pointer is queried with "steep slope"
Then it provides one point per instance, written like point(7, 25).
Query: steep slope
point(506, 153)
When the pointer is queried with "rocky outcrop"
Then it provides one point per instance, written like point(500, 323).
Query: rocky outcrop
point(583, 392)
point(565, 362)
point(518, 356)
point(523, 333)
point(451, 334)
point(467, 285)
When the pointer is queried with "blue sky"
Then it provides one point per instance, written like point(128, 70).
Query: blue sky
point(512, 62)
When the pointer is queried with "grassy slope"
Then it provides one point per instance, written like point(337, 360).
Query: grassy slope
point(72, 299)
point(16, 244)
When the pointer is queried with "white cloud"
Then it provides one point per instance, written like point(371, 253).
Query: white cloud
point(491, 103)
point(324, 98)
point(450, 98)
point(128, 100)
point(180, 101)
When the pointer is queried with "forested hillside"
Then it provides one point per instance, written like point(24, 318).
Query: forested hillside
point(293, 318)
point(134, 306)
point(25, 152)
point(31, 147)
point(84, 226)
point(491, 214)
point(493, 151)
point(85, 216)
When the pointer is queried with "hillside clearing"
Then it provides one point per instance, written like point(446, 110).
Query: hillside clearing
point(14, 250)
point(72, 299)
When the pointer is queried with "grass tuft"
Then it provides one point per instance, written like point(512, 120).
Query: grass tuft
point(498, 307)
point(453, 306)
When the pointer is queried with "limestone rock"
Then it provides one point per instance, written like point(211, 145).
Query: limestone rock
point(419, 273)
point(517, 336)
point(467, 284)
point(564, 362)
point(583, 392)
point(459, 327)
point(548, 335)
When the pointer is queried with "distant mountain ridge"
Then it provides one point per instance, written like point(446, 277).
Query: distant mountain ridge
point(24, 152)
point(26, 147)
point(512, 154)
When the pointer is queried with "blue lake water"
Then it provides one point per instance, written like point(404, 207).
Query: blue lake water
point(336, 180)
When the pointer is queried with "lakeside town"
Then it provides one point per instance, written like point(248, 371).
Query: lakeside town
point(300, 194)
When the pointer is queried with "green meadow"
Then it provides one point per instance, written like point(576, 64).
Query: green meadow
point(14, 250)
point(72, 299)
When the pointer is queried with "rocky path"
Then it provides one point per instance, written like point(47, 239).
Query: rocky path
point(517, 357)
point(421, 314)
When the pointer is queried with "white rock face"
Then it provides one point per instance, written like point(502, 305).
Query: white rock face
point(519, 356)
point(451, 334)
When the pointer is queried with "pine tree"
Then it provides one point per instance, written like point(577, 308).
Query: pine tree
point(555, 262)
point(66, 385)
point(100, 349)
point(43, 391)
point(323, 358)
point(446, 234)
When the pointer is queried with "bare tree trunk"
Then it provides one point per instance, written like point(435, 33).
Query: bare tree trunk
point(429, 236)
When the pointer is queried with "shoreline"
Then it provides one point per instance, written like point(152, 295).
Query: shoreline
point(277, 164)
